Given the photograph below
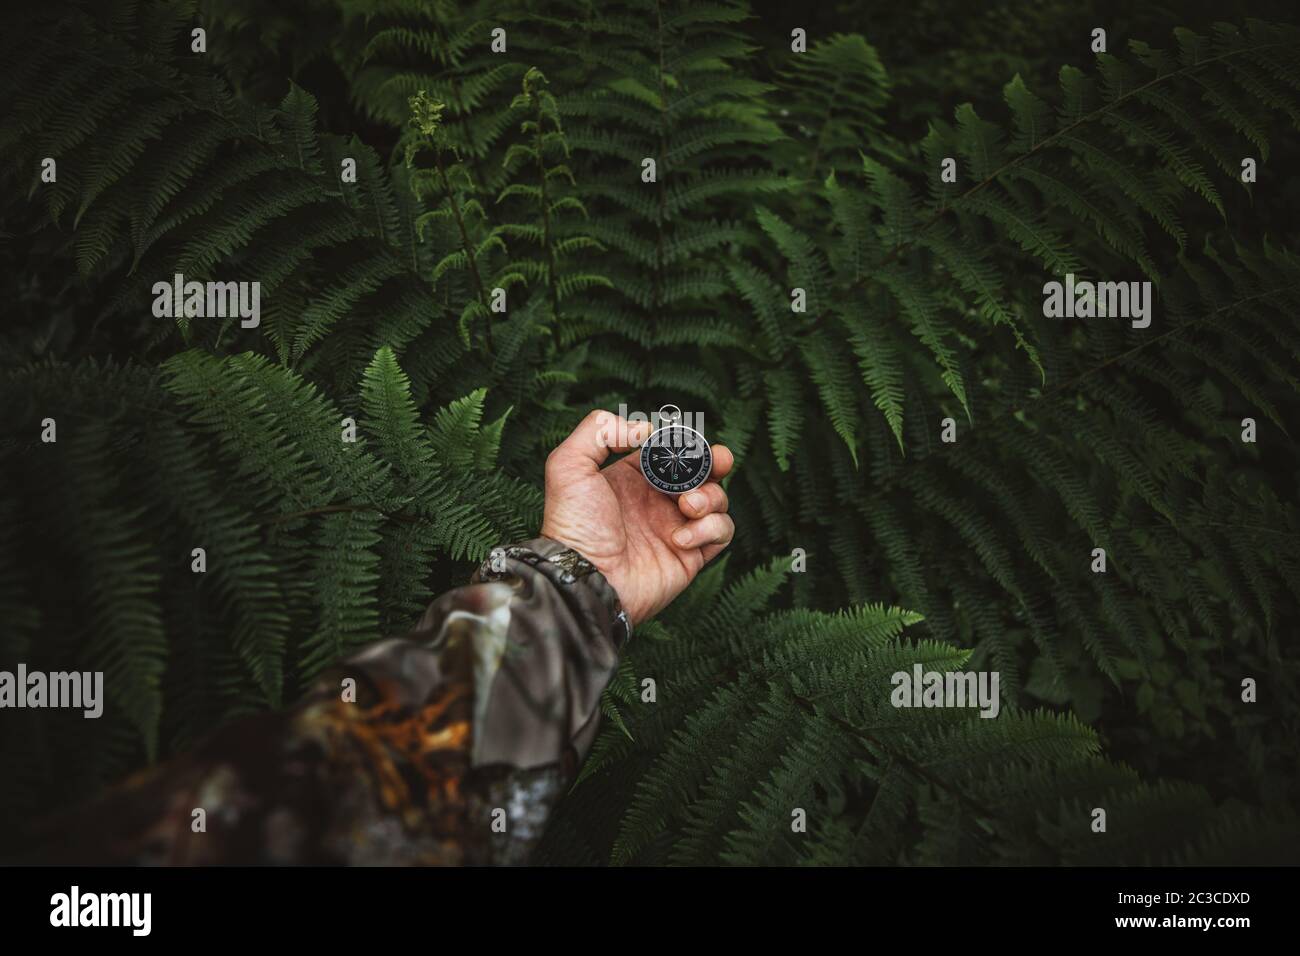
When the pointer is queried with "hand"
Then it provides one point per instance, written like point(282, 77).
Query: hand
point(647, 544)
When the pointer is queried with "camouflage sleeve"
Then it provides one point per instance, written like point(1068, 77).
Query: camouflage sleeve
point(447, 746)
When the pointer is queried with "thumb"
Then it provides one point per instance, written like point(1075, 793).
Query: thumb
point(596, 436)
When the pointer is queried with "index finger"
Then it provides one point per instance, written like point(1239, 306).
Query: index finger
point(723, 462)
point(596, 436)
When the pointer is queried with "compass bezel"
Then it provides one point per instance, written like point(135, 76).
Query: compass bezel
point(681, 487)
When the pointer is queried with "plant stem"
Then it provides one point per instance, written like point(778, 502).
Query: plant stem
point(465, 244)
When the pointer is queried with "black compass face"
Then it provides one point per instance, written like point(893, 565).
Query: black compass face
point(676, 459)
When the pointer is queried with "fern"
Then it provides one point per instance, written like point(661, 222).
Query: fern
point(310, 543)
point(1069, 437)
point(775, 172)
point(805, 723)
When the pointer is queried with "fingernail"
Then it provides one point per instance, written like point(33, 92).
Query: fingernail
point(696, 501)
point(682, 537)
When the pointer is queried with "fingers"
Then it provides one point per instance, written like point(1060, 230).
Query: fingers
point(711, 551)
point(714, 529)
point(600, 433)
point(723, 461)
point(707, 498)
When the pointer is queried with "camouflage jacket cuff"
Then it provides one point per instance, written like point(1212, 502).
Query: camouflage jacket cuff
point(565, 568)
point(539, 625)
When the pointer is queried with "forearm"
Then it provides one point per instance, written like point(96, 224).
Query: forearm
point(448, 746)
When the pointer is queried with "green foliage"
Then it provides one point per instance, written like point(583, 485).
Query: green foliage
point(1070, 436)
point(522, 171)
point(396, 50)
point(805, 711)
point(836, 94)
point(312, 544)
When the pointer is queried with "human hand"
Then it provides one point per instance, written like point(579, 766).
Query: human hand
point(647, 544)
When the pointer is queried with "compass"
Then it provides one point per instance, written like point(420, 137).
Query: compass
point(675, 459)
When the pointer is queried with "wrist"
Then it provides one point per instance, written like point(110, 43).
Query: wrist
point(566, 568)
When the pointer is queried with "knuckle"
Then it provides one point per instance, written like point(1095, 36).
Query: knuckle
point(601, 425)
point(701, 502)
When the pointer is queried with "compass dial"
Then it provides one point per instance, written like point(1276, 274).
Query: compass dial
point(676, 459)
